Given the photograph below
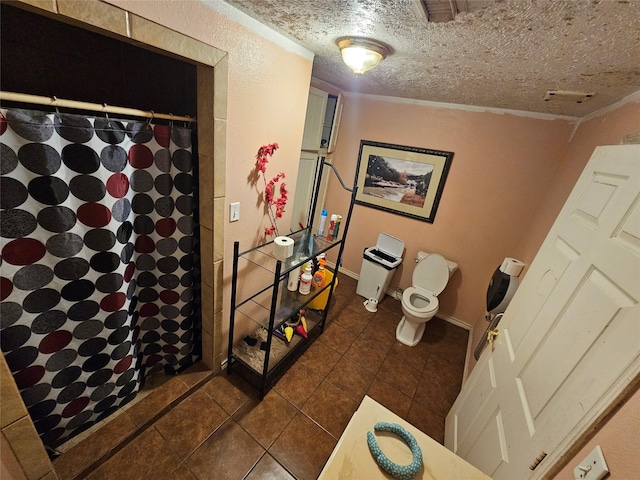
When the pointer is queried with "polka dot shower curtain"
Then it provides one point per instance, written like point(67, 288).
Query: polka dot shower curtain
point(97, 262)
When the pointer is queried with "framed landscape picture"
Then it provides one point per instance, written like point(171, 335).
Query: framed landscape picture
point(403, 180)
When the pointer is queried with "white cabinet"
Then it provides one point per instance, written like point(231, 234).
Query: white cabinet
point(319, 139)
point(331, 125)
point(316, 108)
point(322, 121)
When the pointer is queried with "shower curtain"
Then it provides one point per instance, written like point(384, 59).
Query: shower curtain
point(97, 262)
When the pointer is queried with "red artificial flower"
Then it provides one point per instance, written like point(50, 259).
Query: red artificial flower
point(262, 160)
point(261, 157)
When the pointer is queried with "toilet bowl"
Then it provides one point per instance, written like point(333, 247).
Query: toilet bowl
point(420, 301)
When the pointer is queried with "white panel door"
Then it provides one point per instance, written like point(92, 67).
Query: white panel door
point(312, 136)
point(316, 107)
point(335, 125)
point(569, 342)
point(304, 189)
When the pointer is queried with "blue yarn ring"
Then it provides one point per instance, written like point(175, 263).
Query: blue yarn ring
point(401, 472)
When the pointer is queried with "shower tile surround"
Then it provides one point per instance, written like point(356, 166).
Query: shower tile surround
point(199, 426)
point(17, 427)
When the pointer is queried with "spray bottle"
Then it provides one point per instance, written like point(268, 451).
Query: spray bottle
point(319, 277)
point(305, 280)
point(336, 226)
point(323, 221)
point(332, 226)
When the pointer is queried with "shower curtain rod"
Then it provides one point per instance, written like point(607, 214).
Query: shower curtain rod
point(96, 107)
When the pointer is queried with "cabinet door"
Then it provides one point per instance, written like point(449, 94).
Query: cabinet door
point(304, 189)
point(316, 106)
point(335, 125)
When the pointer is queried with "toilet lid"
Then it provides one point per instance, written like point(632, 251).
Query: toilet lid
point(431, 273)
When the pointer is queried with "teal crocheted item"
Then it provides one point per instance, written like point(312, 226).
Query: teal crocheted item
point(401, 472)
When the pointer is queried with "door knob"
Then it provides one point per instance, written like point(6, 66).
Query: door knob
point(492, 334)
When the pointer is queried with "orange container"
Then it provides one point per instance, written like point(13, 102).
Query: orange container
point(320, 302)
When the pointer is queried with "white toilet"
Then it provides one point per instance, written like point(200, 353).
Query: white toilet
point(420, 301)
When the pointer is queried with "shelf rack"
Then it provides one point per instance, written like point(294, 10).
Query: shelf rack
point(263, 356)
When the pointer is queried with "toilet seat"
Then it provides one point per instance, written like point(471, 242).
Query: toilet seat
point(420, 301)
point(430, 307)
point(431, 273)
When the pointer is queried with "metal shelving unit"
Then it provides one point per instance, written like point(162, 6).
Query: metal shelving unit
point(263, 357)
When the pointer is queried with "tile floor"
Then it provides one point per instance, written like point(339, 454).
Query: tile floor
point(200, 427)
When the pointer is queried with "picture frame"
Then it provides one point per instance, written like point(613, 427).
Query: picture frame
point(399, 179)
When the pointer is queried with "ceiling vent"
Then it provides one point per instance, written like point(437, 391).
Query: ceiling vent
point(567, 96)
point(439, 11)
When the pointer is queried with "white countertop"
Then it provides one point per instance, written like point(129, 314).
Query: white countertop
point(351, 458)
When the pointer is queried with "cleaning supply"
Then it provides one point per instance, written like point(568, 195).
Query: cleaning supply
point(305, 280)
point(323, 221)
point(321, 300)
point(319, 277)
point(336, 226)
point(332, 225)
point(293, 279)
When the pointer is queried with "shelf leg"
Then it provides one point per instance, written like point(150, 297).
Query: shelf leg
point(234, 283)
point(272, 316)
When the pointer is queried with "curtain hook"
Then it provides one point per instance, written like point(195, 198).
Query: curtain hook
point(54, 102)
point(151, 118)
point(171, 119)
point(188, 124)
point(106, 114)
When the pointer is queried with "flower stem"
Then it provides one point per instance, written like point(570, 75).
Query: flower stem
point(272, 216)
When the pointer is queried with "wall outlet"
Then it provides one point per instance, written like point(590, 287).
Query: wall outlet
point(593, 467)
point(234, 212)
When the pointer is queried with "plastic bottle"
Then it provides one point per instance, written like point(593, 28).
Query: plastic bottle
point(319, 277)
point(292, 281)
point(323, 221)
point(305, 280)
point(332, 225)
point(337, 226)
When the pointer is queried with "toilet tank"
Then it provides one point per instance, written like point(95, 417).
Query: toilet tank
point(453, 266)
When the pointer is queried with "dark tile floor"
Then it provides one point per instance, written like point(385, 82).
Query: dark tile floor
point(197, 427)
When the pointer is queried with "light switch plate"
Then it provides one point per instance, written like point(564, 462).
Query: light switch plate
point(234, 212)
point(593, 467)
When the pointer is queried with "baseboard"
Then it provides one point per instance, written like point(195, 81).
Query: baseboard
point(455, 321)
point(344, 271)
point(467, 358)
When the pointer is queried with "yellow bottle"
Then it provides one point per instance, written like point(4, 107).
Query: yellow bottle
point(319, 277)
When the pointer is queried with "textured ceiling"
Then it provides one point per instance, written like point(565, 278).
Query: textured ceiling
point(495, 53)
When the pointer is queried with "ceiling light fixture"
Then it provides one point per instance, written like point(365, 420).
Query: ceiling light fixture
point(362, 54)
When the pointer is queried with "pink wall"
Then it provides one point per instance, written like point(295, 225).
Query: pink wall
point(501, 167)
point(618, 437)
point(603, 129)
